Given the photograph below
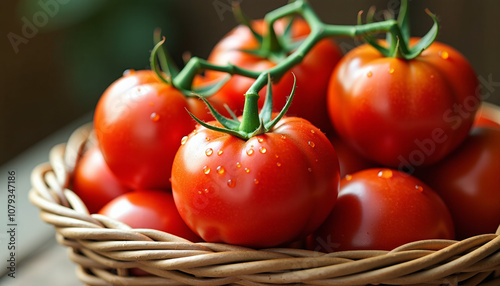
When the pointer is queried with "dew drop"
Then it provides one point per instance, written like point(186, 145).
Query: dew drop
point(255, 181)
point(154, 117)
point(220, 170)
point(220, 152)
point(209, 152)
point(207, 138)
point(391, 70)
point(238, 165)
point(444, 55)
point(129, 72)
point(262, 150)
point(311, 144)
point(348, 177)
point(283, 137)
point(184, 140)
point(205, 191)
point(369, 74)
point(312, 131)
point(247, 170)
point(278, 164)
point(199, 192)
point(260, 139)
point(231, 183)
point(250, 152)
point(385, 174)
point(206, 170)
point(419, 188)
point(309, 170)
point(276, 156)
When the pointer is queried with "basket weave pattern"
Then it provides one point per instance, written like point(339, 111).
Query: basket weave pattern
point(105, 250)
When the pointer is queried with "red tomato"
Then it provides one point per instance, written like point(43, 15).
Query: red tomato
point(139, 122)
point(403, 113)
point(152, 209)
point(382, 209)
point(312, 73)
point(94, 183)
point(469, 183)
point(269, 190)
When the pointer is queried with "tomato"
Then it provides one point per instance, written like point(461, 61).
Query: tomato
point(269, 190)
point(139, 122)
point(468, 182)
point(312, 73)
point(151, 209)
point(381, 209)
point(94, 182)
point(403, 113)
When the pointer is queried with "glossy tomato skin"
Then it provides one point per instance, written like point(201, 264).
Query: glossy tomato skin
point(400, 113)
point(272, 189)
point(469, 183)
point(381, 209)
point(151, 209)
point(350, 161)
point(139, 122)
point(312, 73)
point(94, 182)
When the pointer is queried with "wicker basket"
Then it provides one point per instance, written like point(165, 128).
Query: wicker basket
point(105, 250)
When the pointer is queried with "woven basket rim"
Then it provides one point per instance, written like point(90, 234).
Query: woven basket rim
point(105, 250)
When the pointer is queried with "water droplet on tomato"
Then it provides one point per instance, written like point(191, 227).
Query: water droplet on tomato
point(419, 188)
point(385, 174)
point(250, 152)
point(255, 181)
point(309, 170)
point(205, 191)
point(154, 117)
point(220, 152)
point(220, 170)
point(199, 192)
point(348, 177)
point(129, 72)
point(206, 170)
point(312, 131)
point(231, 183)
point(444, 55)
point(369, 74)
point(238, 165)
point(247, 170)
point(391, 70)
point(260, 139)
point(184, 140)
point(276, 156)
point(311, 144)
point(262, 150)
point(209, 152)
point(283, 137)
point(278, 164)
point(207, 138)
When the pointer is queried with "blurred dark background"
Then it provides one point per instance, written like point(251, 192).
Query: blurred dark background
point(58, 56)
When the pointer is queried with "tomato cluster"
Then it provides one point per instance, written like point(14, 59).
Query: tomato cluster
point(369, 156)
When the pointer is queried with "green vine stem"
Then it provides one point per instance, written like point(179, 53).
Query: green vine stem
point(397, 31)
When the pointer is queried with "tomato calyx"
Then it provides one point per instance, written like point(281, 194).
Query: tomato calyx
point(398, 35)
point(252, 121)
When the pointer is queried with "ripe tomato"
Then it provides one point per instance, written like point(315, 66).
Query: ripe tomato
point(94, 183)
point(468, 182)
point(350, 161)
point(271, 189)
point(382, 209)
point(152, 209)
point(139, 122)
point(312, 73)
point(403, 113)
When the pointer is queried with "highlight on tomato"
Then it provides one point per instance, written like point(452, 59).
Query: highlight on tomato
point(258, 180)
point(381, 209)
